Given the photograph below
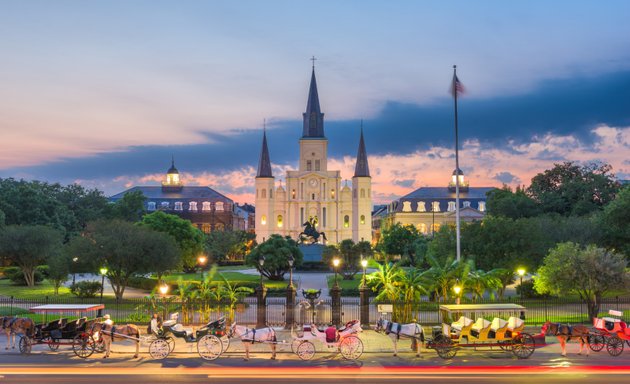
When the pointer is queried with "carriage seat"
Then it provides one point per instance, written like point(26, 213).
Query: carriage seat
point(169, 323)
point(180, 331)
point(480, 325)
point(515, 324)
point(498, 325)
point(461, 323)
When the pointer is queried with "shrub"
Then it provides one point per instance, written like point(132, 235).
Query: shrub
point(44, 270)
point(85, 288)
point(528, 290)
point(16, 275)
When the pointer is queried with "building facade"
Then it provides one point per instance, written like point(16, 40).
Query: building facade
point(342, 211)
point(206, 208)
point(429, 208)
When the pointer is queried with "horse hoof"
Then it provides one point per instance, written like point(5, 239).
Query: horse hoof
point(418, 355)
point(135, 356)
point(245, 359)
point(395, 354)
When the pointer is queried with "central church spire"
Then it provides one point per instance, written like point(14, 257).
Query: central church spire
point(313, 117)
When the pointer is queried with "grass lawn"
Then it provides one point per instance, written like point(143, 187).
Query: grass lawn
point(39, 291)
point(230, 276)
point(346, 284)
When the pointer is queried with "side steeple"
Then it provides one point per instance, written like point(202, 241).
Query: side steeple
point(313, 117)
point(362, 169)
point(264, 164)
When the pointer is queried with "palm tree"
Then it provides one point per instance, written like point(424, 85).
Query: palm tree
point(479, 282)
point(506, 277)
point(232, 294)
point(385, 281)
point(412, 284)
point(445, 276)
point(185, 293)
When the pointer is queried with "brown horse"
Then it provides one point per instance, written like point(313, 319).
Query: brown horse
point(123, 332)
point(5, 326)
point(565, 332)
point(13, 326)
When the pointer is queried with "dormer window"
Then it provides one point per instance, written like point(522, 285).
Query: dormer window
point(164, 205)
point(193, 206)
point(406, 206)
point(422, 206)
point(151, 206)
point(451, 206)
point(218, 206)
point(466, 204)
point(482, 206)
point(179, 206)
point(435, 206)
point(205, 206)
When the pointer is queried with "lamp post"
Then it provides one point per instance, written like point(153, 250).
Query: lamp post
point(457, 289)
point(74, 271)
point(521, 273)
point(103, 272)
point(364, 264)
point(163, 291)
point(202, 261)
point(336, 262)
point(291, 261)
point(261, 263)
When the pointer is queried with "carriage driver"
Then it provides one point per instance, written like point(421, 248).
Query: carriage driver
point(108, 320)
point(156, 324)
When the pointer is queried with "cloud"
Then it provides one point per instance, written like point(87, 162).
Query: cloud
point(507, 178)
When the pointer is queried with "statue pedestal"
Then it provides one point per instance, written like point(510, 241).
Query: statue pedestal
point(312, 253)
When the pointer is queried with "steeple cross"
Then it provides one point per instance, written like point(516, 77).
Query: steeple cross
point(313, 60)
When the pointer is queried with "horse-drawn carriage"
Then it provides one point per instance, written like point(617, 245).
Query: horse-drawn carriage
point(75, 333)
point(498, 334)
point(609, 332)
point(211, 339)
point(347, 343)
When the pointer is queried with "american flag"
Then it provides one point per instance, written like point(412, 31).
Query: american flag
point(457, 86)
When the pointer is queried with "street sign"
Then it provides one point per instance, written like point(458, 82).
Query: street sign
point(385, 308)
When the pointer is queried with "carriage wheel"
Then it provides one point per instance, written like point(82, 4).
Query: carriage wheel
point(614, 346)
point(53, 344)
point(209, 347)
point(25, 344)
point(351, 348)
point(505, 345)
point(171, 343)
point(225, 343)
point(523, 346)
point(83, 346)
point(295, 344)
point(159, 349)
point(444, 347)
point(306, 350)
point(596, 342)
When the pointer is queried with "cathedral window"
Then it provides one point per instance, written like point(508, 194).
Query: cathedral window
point(263, 193)
point(309, 165)
point(406, 206)
point(362, 193)
point(164, 205)
point(346, 221)
point(422, 206)
point(435, 206)
point(293, 194)
point(482, 206)
point(218, 206)
point(451, 206)
point(466, 204)
point(179, 206)
point(317, 165)
point(332, 193)
point(362, 219)
point(279, 221)
point(192, 206)
point(205, 206)
point(151, 206)
point(312, 196)
point(263, 220)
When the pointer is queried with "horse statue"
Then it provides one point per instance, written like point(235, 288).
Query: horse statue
point(395, 331)
point(250, 336)
point(108, 332)
point(564, 333)
point(13, 326)
point(310, 232)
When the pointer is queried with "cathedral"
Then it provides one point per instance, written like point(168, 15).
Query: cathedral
point(313, 192)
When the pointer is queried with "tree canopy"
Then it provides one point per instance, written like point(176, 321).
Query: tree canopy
point(276, 250)
point(614, 222)
point(403, 240)
point(514, 205)
point(349, 255)
point(229, 245)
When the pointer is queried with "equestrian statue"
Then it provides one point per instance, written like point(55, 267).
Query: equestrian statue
point(310, 233)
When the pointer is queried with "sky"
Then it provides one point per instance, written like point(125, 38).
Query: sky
point(105, 93)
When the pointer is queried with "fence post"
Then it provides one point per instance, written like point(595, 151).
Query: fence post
point(261, 306)
point(289, 309)
point(335, 295)
point(364, 303)
point(11, 310)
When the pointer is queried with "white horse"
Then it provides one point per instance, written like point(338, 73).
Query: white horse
point(250, 336)
point(395, 331)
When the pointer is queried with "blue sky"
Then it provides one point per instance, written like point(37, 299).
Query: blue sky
point(104, 92)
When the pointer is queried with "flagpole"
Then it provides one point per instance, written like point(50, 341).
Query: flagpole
point(455, 91)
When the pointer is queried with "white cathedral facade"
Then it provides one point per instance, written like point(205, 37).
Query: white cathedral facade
point(314, 191)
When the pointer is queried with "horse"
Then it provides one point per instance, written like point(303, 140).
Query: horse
point(250, 336)
point(108, 332)
point(311, 232)
point(396, 330)
point(13, 326)
point(5, 326)
point(564, 333)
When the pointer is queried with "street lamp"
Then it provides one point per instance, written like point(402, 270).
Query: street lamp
point(291, 261)
point(163, 291)
point(202, 261)
point(364, 264)
point(103, 272)
point(336, 262)
point(261, 262)
point(74, 271)
point(457, 289)
point(521, 273)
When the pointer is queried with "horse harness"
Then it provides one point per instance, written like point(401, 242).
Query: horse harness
point(254, 334)
point(389, 327)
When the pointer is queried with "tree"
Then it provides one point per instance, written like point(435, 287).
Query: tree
point(29, 246)
point(276, 250)
point(385, 281)
point(125, 249)
point(229, 245)
point(443, 275)
point(590, 272)
point(232, 294)
point(58, 268)
point(570, 189)
point(189, 238)
point(514, 205)
point(614, 222)
point(403, 240)
point(129, 208)
point(443, 244)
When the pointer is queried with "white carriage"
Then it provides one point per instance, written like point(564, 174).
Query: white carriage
point(347, 343)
